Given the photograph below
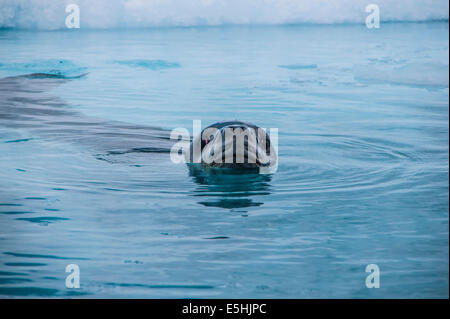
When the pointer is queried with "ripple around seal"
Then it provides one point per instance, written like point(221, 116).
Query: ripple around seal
point(348, 164)
point(42, 256)
point(43, 219)
point(16, 212)
point(28, 291)
point(60, 67)
point(154, 65)
point(25, 264)
point(13, 280)
point(298, 66)
point(167, 286)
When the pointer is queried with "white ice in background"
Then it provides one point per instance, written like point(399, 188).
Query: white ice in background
point(104, 14)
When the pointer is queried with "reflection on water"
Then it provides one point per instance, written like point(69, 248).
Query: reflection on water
point(228, 188)
point(26, 103)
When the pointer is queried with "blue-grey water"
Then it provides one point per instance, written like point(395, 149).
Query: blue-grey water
point(363, 175)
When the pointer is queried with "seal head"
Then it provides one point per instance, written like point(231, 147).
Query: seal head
point(234, 145)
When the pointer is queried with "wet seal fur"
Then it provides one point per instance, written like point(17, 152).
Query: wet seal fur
point(219, 148)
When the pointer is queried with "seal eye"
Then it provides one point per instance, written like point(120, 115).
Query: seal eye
point(207, 140)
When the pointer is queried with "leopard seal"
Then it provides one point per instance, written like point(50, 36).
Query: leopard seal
point(233, 145)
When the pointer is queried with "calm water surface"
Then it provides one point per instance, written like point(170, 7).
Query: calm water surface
point(85, 177)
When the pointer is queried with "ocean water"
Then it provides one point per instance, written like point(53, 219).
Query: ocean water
point(363, 175)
